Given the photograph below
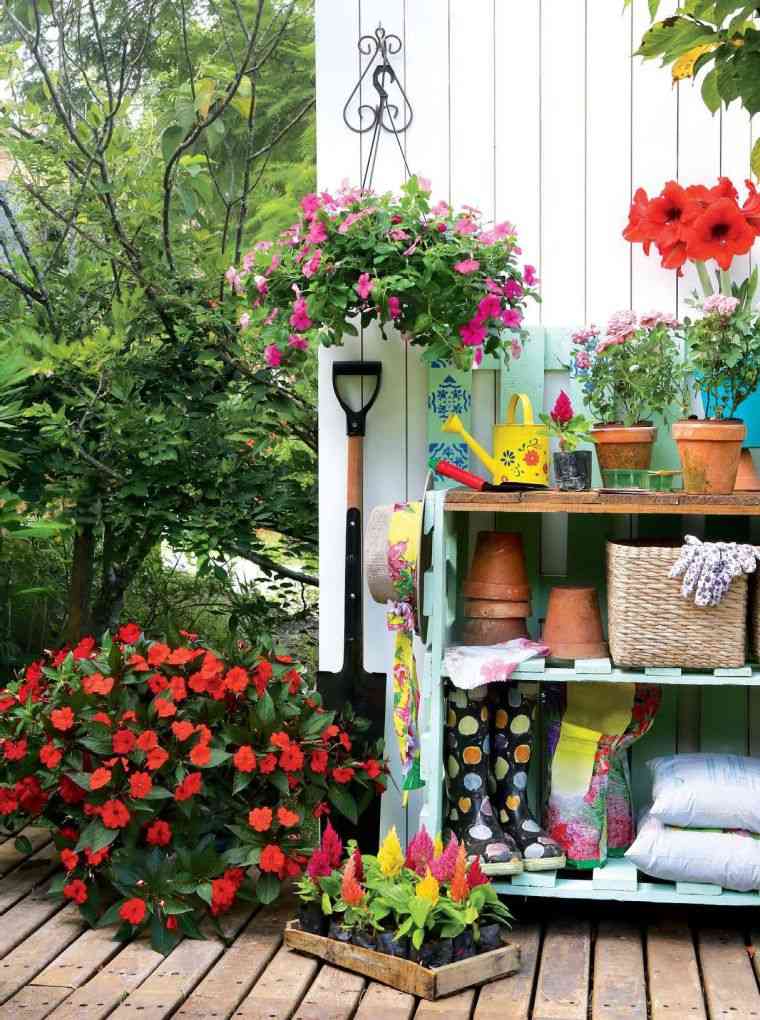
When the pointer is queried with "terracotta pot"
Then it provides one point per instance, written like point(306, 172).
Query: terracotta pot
point(747, 478)
point(489, 632)
point(498, 568)
point(709, 452)
point(619, 446)
point(491, 609)
point(573, 627)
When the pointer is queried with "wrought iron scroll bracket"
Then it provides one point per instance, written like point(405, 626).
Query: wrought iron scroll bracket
point(392, 116)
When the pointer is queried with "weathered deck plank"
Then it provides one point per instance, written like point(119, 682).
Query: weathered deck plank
point(26, 875)
point(380, 1001)
point(26, 917)
point(21, 965)
point(674, 986)
point(453, 1007)
point(729, 983)
point(10, 856)
point(333, 996)
point(563, 977)
point(277, 993)
point(510, 997)
point(620, 991)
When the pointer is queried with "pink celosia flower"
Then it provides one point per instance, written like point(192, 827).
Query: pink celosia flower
point(529, 275)
point(299, 342)
point(299, 319)
point(273, 355)
point(511, 317)
point(317, 232)
point(394, 307)
point(312, 266)
point(465, 225)
point(364, 286)
point(467, 266)
point(244, 321)
point(442, 867)
point(472, 333)
point(332, 846)
point(720, 303)
point(319, 864)
point(419, 853)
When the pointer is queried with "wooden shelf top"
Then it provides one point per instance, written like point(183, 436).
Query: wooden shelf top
point(600, 502)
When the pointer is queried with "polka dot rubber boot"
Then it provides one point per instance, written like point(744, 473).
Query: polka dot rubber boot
point(466, 759)
point(512, 733)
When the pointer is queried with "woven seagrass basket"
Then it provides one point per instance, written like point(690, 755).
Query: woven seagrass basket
point(651, 624)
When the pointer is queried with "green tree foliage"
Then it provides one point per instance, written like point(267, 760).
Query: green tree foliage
point(151, 142)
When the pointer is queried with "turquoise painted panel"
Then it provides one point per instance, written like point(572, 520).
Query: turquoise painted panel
point(749, 412)
point(724, 720)
point(449, 392)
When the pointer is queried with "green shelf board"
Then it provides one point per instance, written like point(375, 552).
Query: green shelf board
point(567, 674)
point(645, 892)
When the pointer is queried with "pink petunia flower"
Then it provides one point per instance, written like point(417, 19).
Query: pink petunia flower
point(472, 333)
point(244, 321)
point(310, 204)
point(465, 226)
point(441, 209)
point(511, 318)
point(467, 266)
point(299, 342)
point(317, 232)
point(512, 290)
point(299, 319)
point(312, 266)
point(271, 317)
point(273, 355)
point(425, 184)
point(489, 307)
point(394, 307)
point(364, 286)
point(529, 275)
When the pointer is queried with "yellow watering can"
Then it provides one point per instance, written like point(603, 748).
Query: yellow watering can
point(520, 451)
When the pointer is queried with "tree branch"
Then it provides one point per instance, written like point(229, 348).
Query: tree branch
point(275, 568)
point(281, 134)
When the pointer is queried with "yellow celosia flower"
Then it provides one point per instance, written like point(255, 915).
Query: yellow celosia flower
point(428, 889)
point(437, 846)
point(390, 856)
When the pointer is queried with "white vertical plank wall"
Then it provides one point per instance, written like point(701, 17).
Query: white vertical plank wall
point(533, 112)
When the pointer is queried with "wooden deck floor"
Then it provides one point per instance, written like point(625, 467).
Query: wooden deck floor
point(579, 962)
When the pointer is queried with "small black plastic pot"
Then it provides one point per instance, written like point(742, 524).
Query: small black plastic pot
point(365, 939)
point(434, 954)
point(462, 946)
point(311, 918)
point(388, 943)
point(338, 932)
point(490, 938)
point(572, 471)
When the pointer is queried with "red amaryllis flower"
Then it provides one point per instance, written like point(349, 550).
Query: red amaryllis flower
point(159, 833)
point(751, 207)
point(133, 910)
point(114, 814)
point(76, 891)
point(272, 859)
point(719, 233)
point(638, 228)
point(669, 214)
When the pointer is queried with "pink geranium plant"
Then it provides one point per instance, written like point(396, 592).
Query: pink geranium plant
point(444, 279)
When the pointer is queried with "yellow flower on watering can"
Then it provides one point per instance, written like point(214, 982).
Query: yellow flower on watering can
point(520, 451)
point(428, 888)
point(390, 856)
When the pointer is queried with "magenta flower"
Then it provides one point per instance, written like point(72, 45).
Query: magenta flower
point(477, 358)
point(317, 232)
point(582, 361)
point(511, 318)
point(465, 225)
point(299, 342)
point(233, 278)
point(262, 286)
point(310, 204)
point(273, 355)
point(529, 275)
point(467, 266)
point(394, 307)
point(332, 846)
point(319, 865)
point(300, 320)
point(562, 412)
point(472, 333)
point(398, 234)
point(248, 261)
point(312, 266)
point(364, 286)
point(419, 853)
point(513, 290)
point(244, 321)
point(271, 317)
point(489, 307)
point(443, 866)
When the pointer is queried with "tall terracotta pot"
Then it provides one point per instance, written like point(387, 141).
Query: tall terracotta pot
point(624, 446)
point(709, 452)
point(747, 478)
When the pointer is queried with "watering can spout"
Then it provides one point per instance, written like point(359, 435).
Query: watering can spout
point(454, 424)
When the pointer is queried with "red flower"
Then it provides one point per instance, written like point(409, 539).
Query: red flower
point(204, 733)
point(96, 857)
point(267, 764)
point(531, 457)
point(156, 758)
point(475, 876)
point(140, 784)
point(69, 833)
point(147, 740)
point(138, 663)
point(114, 814)
point(344, 740)
point(165, 708)
point(261, 676)
point(14, 750)
point(331, 731)
point(190, 785)
point(59, 657)
point(719, 233)
point(323, 808)
point(123, 741)
point(129, 633)
point(291, 758)
point(293, 678)
point(287, 818)
point(372, 767)
point(181, 656)
point(133, 910)
point(183, 730)
point(272, 859)
point(638, 228)
point(171, 923)
point(159, 833)
point(85, 648)
point(236, 680)
point(280, 739)
point(751, 209)
point(8, 800)
point(343, 775)
point(96, 683)
point(562, 412)
point(158, 653)
point(62, 718)
point(157, 683)
point(69, 859)
point(178, 688)
point(31, 796)
point(318, 761)
point(669, 214)
point(200, 755)
point(244, 759)
point(100, 777)
point(101, 717)
point(76, 891)
point(50, 755)
point(260, 819)
point(69, 791)
point(223, 893)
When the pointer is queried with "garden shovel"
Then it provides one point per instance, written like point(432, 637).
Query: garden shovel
point(364, 691)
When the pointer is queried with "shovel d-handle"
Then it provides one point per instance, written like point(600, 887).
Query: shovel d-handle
point(356, 419)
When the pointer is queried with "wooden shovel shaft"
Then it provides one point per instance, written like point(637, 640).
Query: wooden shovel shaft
point(354, 474)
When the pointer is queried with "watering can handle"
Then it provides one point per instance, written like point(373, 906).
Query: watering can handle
point(527, 409)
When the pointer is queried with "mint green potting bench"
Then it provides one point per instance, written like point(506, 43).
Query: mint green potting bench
point(711, 710)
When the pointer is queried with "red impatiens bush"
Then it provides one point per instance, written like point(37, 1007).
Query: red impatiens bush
point(166, 772)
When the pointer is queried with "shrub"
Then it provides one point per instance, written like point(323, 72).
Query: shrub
point(166, 772)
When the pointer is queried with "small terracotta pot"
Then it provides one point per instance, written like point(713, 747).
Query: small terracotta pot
point(498, 568)
point(573, 627)
point(619, 446)
point(491, 609)
point(709, 452)
point(490, 632)
point(747, 478)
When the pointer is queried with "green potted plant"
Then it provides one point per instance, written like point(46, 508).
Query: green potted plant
point(704, 226)
point(572, 467)
point(634, 372)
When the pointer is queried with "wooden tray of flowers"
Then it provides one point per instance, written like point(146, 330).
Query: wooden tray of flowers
point(425, 923)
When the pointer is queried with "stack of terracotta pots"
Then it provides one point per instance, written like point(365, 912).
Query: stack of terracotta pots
point(496, 592)
point(573, 627)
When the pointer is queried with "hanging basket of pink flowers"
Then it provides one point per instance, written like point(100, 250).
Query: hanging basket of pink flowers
point(441, 278)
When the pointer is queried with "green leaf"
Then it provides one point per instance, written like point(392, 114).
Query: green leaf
point(111, 916)
point(653, 5)
point(326, 905)
point(754, 159)
point(343, 801)
point(96, 836)
point(23, 844)
point(417, 937)
point(157, 793)
point(419, 908)
point(267, 888)
point(170, 139)
point(241, 780)
point(710, 94)
point(204, 891)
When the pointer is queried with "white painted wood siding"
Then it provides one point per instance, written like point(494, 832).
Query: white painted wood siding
point(533, 111)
